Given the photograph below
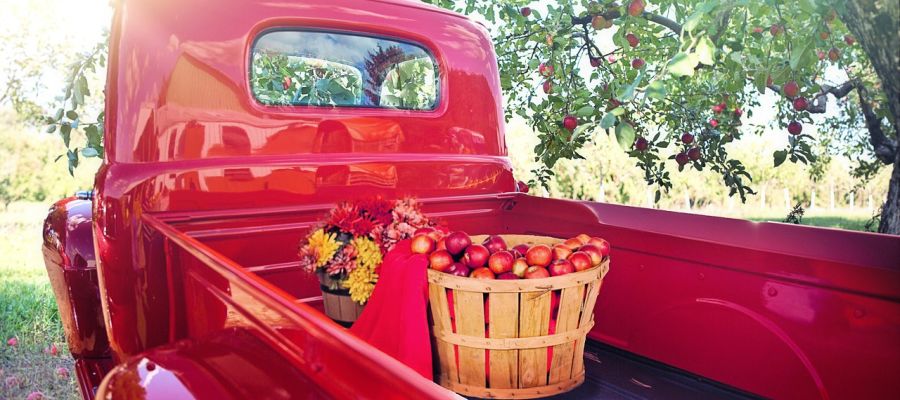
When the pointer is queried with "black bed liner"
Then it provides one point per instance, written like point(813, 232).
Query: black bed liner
point(612, 373)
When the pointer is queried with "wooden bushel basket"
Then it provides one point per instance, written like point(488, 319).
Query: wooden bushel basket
point(337, 303)
point(515, 352)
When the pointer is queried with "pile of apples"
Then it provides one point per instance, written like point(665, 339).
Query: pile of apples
point(455, 254)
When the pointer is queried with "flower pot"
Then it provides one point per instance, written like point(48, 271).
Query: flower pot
point(337, 302)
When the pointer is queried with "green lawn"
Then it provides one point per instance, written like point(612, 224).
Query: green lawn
point(28, 311)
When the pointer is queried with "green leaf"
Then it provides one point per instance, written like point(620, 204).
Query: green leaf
point(59, 114)
point(706, 51)
point(656, 90)
point(800, 52)
point(585, 111)
point(51, 128)
point(65, 131)
point(626, 93)
point(89, 152)
point(625, 135)
point(608, 120)
point(759, 79)
point(692, 21)
point(618, 111)
point(71, 114)
point(683, 64)
point(780, 156)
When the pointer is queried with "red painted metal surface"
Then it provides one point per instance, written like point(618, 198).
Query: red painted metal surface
point(205, 193)
point(69, 258)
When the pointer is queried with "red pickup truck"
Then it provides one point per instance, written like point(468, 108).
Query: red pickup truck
point(231, 127)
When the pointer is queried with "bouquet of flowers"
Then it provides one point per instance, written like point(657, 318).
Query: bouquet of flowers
point(347, 248)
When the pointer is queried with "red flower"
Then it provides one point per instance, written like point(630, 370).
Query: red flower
point(362, 227)
point(378, 209)
point(344, 216)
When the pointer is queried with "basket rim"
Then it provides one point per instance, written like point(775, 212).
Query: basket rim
point(519, 285)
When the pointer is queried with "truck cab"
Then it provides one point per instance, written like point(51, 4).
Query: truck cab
point(232, 127)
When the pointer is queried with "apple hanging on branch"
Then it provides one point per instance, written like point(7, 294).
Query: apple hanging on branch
point(688, 63)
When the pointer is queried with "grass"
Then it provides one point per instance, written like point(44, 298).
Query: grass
point(28, 311)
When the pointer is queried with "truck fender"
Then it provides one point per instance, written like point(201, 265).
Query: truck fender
point(68, 250)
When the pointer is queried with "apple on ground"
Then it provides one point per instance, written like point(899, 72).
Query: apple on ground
point(422, 244)
point(581, 260)
point(457, 242)
point(561, 252)
point(476, 256)
point(494, 243)
point(501, 262)
point(593, 252)
point(535, 272)
point(482, 273)
point(540, 255)
point(601, 244)
point(561, 267)
point(440, 260)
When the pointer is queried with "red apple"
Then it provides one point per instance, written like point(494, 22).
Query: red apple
point(422, 244)
point(583, 238)
point(482, 273)
point(570, 122)
point(476, 256)
point(795, 127)
point(436, 235)
point(423, 231)
point(572, 243)
point(521, 249)
point(519, 267)
point(457, 242)
point(507, 275)
point(635, 8)
point(601, 244)
point(494, 243)
point(561, 252)
point(535, 272)
point(440, 260)
point(581, 260)
point(441, 245)
point(791, 89)
point(540, 255)
point(593, 252)
point(561, 267)
point(458, 269)
point(501, 261)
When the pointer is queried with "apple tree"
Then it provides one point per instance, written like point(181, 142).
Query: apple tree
point(677, 79)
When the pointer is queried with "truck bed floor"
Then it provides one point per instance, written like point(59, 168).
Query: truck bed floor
point(615, 374)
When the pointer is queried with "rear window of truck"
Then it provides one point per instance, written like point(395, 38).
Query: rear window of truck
point(336, 69)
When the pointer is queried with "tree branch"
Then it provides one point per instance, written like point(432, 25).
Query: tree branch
point(613, 14)
point(885, 149)
point(820, 100)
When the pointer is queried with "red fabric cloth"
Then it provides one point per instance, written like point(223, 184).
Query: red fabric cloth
point(395, 319)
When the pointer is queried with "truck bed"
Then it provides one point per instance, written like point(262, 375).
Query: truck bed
point(723, 312)
point(612, 373)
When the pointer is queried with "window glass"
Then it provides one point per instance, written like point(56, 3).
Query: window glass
point(295, 68)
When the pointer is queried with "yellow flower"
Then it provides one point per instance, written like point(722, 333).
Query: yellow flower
point(324, 245)
point(368, 254)
point(361, 281)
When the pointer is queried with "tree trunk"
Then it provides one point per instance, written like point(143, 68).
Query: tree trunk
point(875, 25)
